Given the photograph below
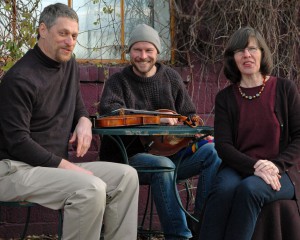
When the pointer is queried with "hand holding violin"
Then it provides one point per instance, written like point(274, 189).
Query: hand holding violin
point(169, 121)
point(208, 137)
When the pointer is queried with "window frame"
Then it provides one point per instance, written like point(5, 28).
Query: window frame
point(123, 59)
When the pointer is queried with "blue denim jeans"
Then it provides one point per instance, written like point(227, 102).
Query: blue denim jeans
point(203, 163)
point(235, 202)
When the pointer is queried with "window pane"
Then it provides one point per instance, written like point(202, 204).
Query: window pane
point(45, 3)
point(100, 29)
point(151, 12)
point(100, 25)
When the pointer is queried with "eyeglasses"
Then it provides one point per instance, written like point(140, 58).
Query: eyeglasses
point(251, 50)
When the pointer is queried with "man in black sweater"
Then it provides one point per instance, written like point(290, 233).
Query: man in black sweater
point(40, 105)
point(150, 85)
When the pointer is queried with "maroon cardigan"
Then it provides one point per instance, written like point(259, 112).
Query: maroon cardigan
point(279, 220)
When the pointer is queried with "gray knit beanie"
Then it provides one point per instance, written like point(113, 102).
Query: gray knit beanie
point(144, 33)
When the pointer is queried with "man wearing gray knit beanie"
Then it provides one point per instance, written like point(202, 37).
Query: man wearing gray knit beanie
point(144, 33)
point(143, 47)
point(150, 85)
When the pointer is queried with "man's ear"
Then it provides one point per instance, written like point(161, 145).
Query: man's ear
point(43, 30)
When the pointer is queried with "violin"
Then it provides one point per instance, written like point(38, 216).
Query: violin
point(127, 120)
point(158, 145)
point(130, 117)
point(165, 145)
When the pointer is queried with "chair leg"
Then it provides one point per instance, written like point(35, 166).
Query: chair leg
point(151, 215)
point(146, 207)
point(150, 201)
point(60, 223)
point(26, 223)
point(188, 186)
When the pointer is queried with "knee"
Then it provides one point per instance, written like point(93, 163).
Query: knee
point(208, 149)
point(131, 175)
point(209, 154)
point(213, 153)
point(94, 191)
point(164, 162)
point(248, 189)
point(224, 188)
point(162, 167)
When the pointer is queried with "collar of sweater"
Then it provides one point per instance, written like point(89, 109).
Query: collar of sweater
point(48, 62)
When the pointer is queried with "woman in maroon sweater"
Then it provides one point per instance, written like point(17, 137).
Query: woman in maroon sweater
point(257, 136)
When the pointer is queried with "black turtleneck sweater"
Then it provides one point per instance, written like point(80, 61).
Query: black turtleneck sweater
point(164, 90)
point(40, 101)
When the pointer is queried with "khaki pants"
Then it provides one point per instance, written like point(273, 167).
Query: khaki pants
point(110, 197)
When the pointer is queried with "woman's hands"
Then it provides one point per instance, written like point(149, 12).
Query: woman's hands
point(268, 171)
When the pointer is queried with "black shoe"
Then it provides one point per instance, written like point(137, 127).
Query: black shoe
point(194, 227)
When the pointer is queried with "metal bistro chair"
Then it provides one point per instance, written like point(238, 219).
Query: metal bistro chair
point(115, 136)
point(150, 232)
point(29, 205)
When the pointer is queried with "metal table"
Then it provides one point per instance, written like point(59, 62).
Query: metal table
point(153, 130)
point(157, 130)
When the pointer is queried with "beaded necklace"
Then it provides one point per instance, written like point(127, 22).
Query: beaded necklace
point(257, 95)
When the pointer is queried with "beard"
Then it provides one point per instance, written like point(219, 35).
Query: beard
point(62, 57)
point(142, 68)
